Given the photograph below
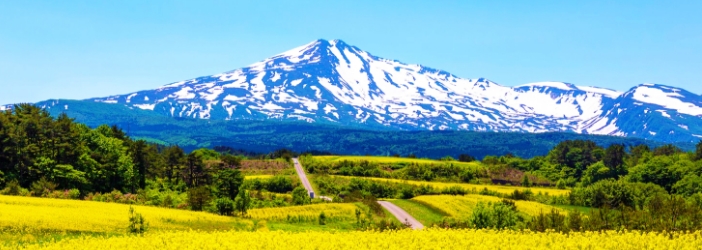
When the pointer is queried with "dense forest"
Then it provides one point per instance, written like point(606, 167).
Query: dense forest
point(57, 157)
point(365, 139)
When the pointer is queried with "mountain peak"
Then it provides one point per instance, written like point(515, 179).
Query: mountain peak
point(332, 81)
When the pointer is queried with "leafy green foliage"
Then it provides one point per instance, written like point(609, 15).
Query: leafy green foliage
point(242, 201)
point(227, 182)
point(198, 197)
point(300, 196)
point(225, 206)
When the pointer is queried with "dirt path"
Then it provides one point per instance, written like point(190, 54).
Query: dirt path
point(401, 215)
point(305, 182)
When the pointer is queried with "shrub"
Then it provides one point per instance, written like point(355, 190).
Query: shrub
point(167, 201)
point(322, 218)
point(43, 187)
point(225, 206)
point(137, 223)
point(280, 184)
point(13, 188)
point(300, 196)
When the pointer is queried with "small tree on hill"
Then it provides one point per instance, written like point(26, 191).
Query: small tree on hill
point(322, 218)
point(137, 223)
point(242, 201)
point(525, 181)
point(225, 206)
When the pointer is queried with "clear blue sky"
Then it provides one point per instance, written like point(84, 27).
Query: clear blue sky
point(82, 49)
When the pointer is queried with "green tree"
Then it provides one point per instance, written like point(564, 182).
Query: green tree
point(231, 161)
point(481, 216)
point(174, 159)
point(225, 206)
point(689, 185)
point(596, 172)
point(228, 181)
point(195, 172)
point(300, 196)
point(242, 201)
point(525, 181)
point(198, 197)
point(466, 158)
point(503, 216)
point(614, 159)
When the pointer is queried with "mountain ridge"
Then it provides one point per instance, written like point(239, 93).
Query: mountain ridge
point(336, 82)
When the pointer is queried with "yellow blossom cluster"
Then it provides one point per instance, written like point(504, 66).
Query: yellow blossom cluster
point(476, 187)
point(462, 206)
point(33, 215)
point(405, 239)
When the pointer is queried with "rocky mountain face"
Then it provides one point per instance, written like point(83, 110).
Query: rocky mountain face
point(331, 81)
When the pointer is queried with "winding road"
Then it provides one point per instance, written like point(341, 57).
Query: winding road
point(396, 211)
point(401, 215)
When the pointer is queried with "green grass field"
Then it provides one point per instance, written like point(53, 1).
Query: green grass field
point(424, 214)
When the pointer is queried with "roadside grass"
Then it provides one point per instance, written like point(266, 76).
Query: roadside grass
point(424, 214)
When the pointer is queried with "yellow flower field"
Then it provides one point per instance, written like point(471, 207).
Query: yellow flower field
point(461, 207)
point(389, 240)
point(495, 188)
point(384, 159)
point(333, 211)
point(262, 176)
point(33, 215)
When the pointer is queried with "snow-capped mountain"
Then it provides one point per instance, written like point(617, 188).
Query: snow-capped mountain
point(336, 82)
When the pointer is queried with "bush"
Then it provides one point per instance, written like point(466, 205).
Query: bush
point(322, 218)
point(225, 206)
point(498, 215)
point(280, 184)
point(525, 195)
point(13, 188)
point(72, 194)
point(167, 201)
point(42, 187)
point(300, 196)
point(137, 223)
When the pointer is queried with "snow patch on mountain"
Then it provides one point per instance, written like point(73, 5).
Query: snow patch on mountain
point(333, 81)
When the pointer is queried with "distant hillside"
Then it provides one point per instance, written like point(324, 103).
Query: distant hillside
point(269, 135)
